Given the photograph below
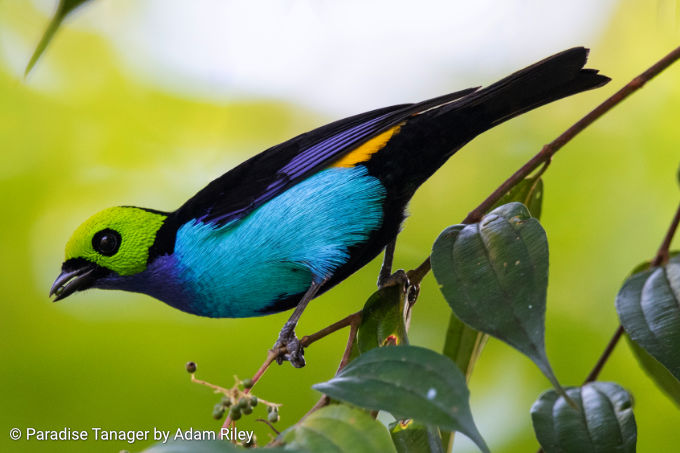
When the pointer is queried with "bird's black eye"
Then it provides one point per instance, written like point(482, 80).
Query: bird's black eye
point(106, 242)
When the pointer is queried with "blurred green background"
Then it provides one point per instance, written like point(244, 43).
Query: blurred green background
point(85, 132)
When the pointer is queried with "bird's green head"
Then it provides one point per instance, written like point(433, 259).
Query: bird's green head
point(115, 241)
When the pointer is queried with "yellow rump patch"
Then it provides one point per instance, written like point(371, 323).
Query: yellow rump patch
point(365, 151)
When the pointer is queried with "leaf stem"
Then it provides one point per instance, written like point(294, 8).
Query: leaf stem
point(353, 329)
point(595, 372)
point(663, 253)
point(266, 422)
point(660, 259)
point(549, 150)
point(351, 320)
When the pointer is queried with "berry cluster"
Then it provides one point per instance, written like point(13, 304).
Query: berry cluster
point(236, 401)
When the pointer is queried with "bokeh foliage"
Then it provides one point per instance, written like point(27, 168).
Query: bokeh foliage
point(82, 134)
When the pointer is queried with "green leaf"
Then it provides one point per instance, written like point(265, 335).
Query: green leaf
point(603, 422)
point(463, 345)
point(494, 275)
point(340, 429)
point(409, 382)
point(382, 320)
point(529, 192)
point(412, 437)
point(657, 372)
point(648, 305)
point(64, 8)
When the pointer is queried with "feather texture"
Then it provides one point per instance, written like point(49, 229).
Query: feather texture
point(304, 234)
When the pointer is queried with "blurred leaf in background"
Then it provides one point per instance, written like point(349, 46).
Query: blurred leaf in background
point(64, 8)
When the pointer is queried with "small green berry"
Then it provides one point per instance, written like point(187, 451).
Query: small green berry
point(218, 411)
point(247, 383)
point(226, 401)
point(273, 417)
point(247, 410)
point(253, 400)
point(270, 409)
point(243, 402)
point(235, 413)
point(191, 367)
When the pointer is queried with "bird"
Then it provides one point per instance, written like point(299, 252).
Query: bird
point(293, 221)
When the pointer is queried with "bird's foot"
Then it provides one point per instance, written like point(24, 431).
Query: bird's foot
point(398, 278)
point(290, 347)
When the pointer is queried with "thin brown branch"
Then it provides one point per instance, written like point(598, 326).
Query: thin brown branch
point(351, 320)
point(271, 356)
point(268, 423)
point(664, 249)
point(660, 258)
point(324, 401)
point(347, 321)
point(549, 150)
point(595, 372)
point(354, 327)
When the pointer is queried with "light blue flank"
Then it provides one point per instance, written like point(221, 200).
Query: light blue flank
point(242, 269)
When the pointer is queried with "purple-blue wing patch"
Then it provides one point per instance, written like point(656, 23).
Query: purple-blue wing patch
point(261, 178)
point(308, 161)
point(328, 148)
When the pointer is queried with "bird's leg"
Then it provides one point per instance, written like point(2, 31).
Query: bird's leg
point(386, 277)
point(386, 268)
point(287, 337)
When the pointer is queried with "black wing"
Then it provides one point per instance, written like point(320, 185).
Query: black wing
point(241, 190)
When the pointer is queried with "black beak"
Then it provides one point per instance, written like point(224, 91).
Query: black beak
point(75, 276)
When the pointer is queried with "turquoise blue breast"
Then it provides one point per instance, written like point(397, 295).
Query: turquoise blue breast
point(242, 269)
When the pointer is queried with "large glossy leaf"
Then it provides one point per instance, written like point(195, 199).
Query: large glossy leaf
point(412, 437)
point(648, 305)
point(657, 372)
point(409, 382)
point(494, 275)
point(602, 423)
point(339, 429)
point(382, 320)
point(64, 8)
point(463, 344)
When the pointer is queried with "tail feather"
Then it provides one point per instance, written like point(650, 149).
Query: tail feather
point(548, 80)
point(427, 140)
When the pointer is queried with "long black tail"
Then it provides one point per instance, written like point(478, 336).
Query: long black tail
point(553, 78)
point(428, 139)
